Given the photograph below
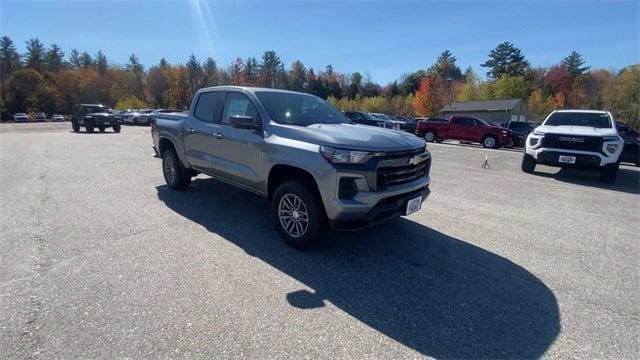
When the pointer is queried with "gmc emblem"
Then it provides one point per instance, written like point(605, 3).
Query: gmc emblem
point(571, 139)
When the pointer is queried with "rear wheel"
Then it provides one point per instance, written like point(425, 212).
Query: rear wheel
point(430, 136)
point(89, 126)
point(174, 173)
point(297, 215)
point(116, 128)
point(609, 172)
point(101, 128)
point(490, 142)
point(528, 164)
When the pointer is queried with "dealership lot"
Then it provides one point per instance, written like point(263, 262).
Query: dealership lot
point(100, 260)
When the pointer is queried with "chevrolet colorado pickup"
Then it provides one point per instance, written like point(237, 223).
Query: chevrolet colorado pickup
point(585, 139)
point(320, 171)
point(465, 128)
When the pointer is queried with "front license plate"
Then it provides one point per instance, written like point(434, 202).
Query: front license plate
point(413, 205)
point(567, 159)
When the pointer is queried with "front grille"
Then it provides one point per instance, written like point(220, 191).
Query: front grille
point(572, 142)
point(396, 175)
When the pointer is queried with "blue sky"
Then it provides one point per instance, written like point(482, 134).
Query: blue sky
point(379, 39)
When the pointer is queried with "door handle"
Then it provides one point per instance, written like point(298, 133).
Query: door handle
point(189, 130)
point(218, 135)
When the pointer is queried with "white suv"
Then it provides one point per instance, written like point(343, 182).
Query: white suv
point(586, 139)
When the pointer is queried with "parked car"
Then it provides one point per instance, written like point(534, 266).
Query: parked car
point(57, 117)
point(624, 129)
point(407, 124)
point(364, 118)
point(20, 117)
point(389, 122)
point(91, 116)
point(586, 139)
point(143, 117)
point(40, 116)
point(630, 151)
point(519, 130)
point(465, 128)
point(319, 170)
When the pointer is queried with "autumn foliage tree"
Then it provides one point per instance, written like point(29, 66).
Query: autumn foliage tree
point(428, 100)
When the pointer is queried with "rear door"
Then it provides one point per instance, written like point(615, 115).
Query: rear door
point(458, 128)
point(238, 151)
point(199, 130)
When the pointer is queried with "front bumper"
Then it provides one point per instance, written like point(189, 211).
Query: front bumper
point(385, 209)
point(584, 159)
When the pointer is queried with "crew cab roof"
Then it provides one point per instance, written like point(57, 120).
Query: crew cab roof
point(251, 89)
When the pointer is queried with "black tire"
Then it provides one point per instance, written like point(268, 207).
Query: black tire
point(89, 126)
point(312, 234)
point(528, 164)
point(430, 136)
point(609, 173)
point(439, 140)
point(75, 126)
point(490, 144)
point(174, 172)
point(116, 128)
point(101, 128)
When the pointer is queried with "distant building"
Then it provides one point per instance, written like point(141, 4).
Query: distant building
point(493, 111)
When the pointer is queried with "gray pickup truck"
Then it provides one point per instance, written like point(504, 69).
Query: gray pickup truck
point(320, 171)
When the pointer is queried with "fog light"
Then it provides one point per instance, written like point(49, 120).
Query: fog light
point(533, 141)
point(611, 148)
point(348, 188)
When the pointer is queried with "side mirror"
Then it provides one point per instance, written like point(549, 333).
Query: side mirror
point(243, 122)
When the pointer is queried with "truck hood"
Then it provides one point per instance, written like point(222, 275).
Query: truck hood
point(349, 136)
point(576, 130)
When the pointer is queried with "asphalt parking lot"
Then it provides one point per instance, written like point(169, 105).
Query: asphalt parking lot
point(99, 259)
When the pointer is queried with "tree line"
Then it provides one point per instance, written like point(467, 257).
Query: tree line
point(46, 79)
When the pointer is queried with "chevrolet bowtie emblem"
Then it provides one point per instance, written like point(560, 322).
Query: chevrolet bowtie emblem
point(416, 160)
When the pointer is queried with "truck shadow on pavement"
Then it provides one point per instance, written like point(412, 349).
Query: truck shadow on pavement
point(627, 181)
point(438, 295)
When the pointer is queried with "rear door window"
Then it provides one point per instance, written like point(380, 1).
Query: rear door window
point(208, 106)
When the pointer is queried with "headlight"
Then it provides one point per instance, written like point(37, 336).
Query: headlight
point(611, 138)
point(538, 133)
point(505, 132)
point(342, 156)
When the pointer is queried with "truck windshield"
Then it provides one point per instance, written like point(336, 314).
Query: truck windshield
point(299, 109)
point(596, 120)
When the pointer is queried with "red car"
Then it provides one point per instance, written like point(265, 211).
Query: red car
point(465, 128)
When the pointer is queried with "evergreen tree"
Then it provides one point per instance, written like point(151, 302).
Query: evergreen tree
point(55, 58)
point(446, 67)
point(101, 63)
point(36, 55)
point(574, 64)
point(297, 76)
point(269, 69)
point(86, 61)
point(9, 58)
point(210, 72)
point(506, 59)
point(250, 71)
point(194, 74)
point(74, 59)
point(134, 65)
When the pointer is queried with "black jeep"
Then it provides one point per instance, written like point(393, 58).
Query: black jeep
point(93, 116)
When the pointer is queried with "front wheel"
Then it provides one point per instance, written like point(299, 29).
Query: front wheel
point(297, 215)
point(75, 126)
point(174, 173)
point(528, 164)
point(116, 128)
point(89, 126)
point(609, 173)
point(490, 142)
